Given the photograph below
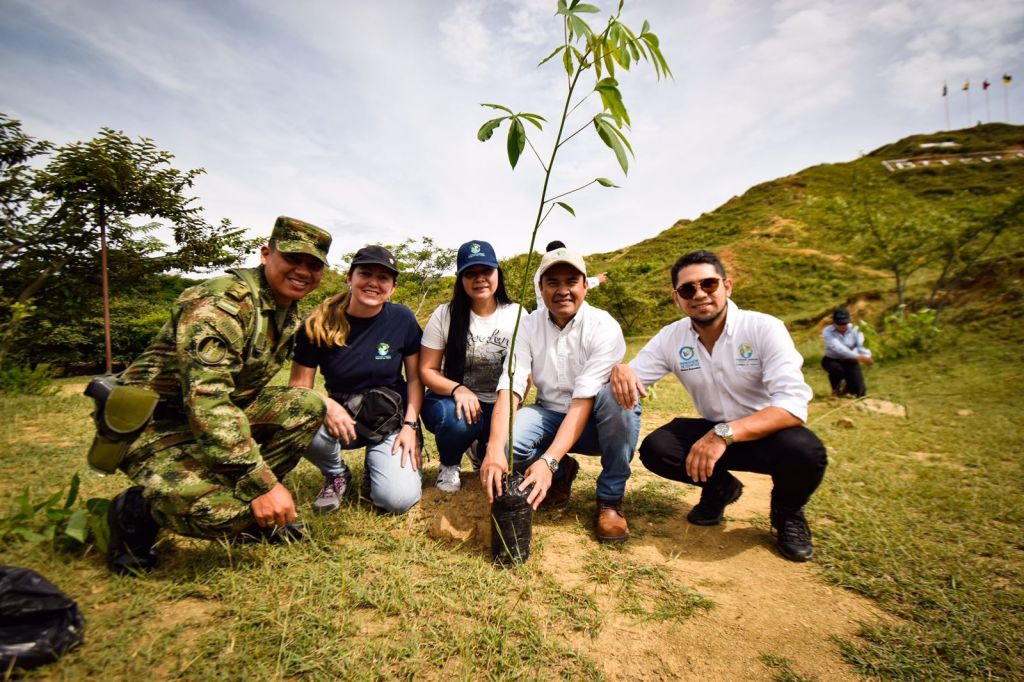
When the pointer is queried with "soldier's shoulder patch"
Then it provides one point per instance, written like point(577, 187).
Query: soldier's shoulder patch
point(211, 349)
point(227, 306)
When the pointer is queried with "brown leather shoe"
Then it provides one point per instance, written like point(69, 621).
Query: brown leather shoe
point(611, 522)
point(559, 493)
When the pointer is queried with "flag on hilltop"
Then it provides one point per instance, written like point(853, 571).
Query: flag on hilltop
point(967, 85)
point(1007, 78)
point(985, 84)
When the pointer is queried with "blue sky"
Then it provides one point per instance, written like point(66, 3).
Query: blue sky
point(361, 117)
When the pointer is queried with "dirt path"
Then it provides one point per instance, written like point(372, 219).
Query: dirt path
point(764, 605)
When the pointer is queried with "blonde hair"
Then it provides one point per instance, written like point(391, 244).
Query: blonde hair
point(327, 324)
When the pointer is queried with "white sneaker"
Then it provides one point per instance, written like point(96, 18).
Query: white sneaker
point(448, 480)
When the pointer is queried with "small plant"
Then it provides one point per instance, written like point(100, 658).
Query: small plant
point(57, 521)
point(582, 50)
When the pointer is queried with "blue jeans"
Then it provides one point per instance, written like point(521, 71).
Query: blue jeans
point(611, 432)
point(453, 435)
point(392, 488)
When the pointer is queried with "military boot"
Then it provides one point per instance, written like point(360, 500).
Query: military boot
point(132, 533)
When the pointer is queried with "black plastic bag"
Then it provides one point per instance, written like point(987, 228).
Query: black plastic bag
point(512, 523)
point(38, 622)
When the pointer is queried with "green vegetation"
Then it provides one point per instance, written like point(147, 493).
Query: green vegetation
point(64, 213)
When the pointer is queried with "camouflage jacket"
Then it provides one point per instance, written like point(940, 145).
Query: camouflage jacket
point(207, 368)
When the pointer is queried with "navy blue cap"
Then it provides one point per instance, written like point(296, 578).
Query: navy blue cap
point(841, 316)
point(476, 253)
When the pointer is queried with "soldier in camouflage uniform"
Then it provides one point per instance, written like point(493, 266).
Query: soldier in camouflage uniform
point(209, 464)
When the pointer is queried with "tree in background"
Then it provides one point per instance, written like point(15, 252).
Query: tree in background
point(93, 210)
point(890, 228)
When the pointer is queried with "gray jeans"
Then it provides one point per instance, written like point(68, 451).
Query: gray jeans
point(393, 488)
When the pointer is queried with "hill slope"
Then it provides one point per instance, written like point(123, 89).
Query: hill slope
point(790, 251)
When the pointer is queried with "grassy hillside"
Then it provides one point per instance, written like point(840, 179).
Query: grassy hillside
point(788, 249)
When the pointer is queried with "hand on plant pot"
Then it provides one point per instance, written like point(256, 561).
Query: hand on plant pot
point(493, 468)
point(539, 475)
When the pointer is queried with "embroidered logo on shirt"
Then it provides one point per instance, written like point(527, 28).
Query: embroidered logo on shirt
point(383, 351)
point(746, 356)
point(688, 359)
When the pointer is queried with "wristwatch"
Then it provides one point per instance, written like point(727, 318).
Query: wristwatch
point(724, 431)
point(551, 462)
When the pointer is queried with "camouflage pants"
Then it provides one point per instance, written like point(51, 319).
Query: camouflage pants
point(189, 499)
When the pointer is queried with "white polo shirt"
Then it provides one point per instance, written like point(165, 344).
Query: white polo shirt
point(754, 365)
point(569, 363)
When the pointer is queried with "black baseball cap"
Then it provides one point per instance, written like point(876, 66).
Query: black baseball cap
point(375, 255)
point(841, 316)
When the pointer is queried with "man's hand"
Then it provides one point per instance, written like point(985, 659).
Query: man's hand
point(626, 387)
point(467, 405)
point(274, 508)
point(339, 422)
point(865, 359)
point(492, 469)
point(408, 445)
point(539, 475)
point(703, 456)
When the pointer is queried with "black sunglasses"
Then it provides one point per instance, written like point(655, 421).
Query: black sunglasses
point(689, 290)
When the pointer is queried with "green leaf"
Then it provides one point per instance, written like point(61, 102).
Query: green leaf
point(28, 534)
point(516, 141)
point(550, 56)
point(496, 106)
point(651, 39)
point(73, 492)
point(535, 119)
point(578, 26)
point(605, 182)
point(567, 207)
point(488, 128)
point(646, 27)
point(614, 139)
point(567, 63)
point(78, 526)
point(587, 9)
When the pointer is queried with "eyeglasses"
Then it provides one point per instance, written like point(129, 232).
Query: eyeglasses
point(688, 290)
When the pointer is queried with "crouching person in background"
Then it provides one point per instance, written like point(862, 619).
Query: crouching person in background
point(210, 462)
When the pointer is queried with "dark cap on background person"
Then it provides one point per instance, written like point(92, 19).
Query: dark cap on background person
point(562, 255)
point(554, 245)
point(375, 255)
point(476, 253)
point(295, 236)
point(841, 316)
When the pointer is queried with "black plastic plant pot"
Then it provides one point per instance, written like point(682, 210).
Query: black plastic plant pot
point(512, 524)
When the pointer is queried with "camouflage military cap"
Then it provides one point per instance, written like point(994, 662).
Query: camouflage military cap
point(294, 236)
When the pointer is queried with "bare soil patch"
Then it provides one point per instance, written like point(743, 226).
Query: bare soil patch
point(764, 604)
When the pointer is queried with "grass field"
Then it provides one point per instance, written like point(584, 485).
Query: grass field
point(921, 514)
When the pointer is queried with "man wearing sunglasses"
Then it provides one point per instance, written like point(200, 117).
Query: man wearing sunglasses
point(744, 375)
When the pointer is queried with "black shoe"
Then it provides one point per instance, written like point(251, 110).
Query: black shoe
point(274, 535)
point(713, 500)
point(132, 533)
point(561, 489)
point(793, 535)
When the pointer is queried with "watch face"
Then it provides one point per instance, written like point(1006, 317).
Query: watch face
point(724, 431)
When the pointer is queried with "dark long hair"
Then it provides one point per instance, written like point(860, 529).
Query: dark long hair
point(458, 329)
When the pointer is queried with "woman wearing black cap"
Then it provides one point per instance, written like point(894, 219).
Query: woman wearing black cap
point(361, 343)
point(464, 346)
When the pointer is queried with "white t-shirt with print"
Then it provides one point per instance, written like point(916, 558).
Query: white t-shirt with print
point(486, 347)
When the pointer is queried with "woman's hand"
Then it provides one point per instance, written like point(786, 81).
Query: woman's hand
point(467, 405)
point(408, 444)
point(339, 422)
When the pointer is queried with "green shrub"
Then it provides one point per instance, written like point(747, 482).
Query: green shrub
point(902, 334)
point(27, 381)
